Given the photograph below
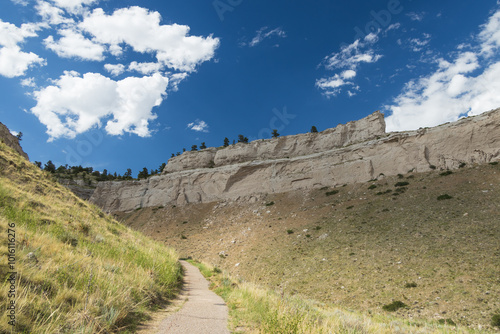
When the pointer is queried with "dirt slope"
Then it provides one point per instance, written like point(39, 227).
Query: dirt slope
point(361, 246)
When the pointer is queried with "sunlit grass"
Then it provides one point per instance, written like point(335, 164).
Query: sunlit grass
point(79, 271)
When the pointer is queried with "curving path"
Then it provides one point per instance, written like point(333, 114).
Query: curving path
point(203, 311)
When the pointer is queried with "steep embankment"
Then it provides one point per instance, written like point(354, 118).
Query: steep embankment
point(356, 152)
point(359, 246)
point(77, 270)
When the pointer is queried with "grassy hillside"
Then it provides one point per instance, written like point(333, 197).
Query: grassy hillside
point(429, 241)
point(78, 270)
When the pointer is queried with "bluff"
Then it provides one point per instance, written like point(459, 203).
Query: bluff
point(358, 151)
point(8, 139)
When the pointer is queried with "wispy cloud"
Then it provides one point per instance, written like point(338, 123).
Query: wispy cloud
point(464, 86)
point(198, 126)
point(348, 60)
point(416, 16)
point(263, 34)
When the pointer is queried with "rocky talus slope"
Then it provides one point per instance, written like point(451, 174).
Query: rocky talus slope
point(355, 152)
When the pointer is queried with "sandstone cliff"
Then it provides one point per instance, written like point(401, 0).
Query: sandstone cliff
point(356, 152)
point(11, 140)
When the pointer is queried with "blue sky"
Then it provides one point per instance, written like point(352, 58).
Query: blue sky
point(124, 84)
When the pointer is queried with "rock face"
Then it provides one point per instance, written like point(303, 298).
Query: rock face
point(11, 141)
point(282, 147)
point(355, 152)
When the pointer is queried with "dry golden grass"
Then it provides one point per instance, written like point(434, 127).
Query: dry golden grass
point(79, 271)
point(355, 249)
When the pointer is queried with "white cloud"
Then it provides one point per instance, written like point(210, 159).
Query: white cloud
point(74, 44)
point(13, 61)
point(75, 104)
point(262, 35)
point(468, 85)
point(198, 126)
point(418, 44)
point(28, 82)
point(141, 29)
point(490, 35)
point(74, 6)
point(349, 58)
point(115, 69)
point(394, 26)
point(51, 14)
point(175, 79)
point(145, 68)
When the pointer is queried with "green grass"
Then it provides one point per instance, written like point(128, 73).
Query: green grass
point(79, 270)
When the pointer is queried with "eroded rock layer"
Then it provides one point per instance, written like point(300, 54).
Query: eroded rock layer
point(356, 152)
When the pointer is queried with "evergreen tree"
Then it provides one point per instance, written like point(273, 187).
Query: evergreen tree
point(183, 150)
point(50, 167)
point(178, 153)
point(38, 164)
point(242, 139)
point(19, 136)
point(203, 146)
point(275, 133)
point(128, 174)
point(226, 142)
point(173, 155)
point(313, 129)
point(143, 174)
point(194, 148)
point(162, 167)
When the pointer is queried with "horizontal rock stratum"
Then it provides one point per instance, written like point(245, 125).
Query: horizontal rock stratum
point(358, 151)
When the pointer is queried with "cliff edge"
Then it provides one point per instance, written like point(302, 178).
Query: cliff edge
point(355, 152)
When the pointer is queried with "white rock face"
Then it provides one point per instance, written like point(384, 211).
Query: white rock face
point(309, 161)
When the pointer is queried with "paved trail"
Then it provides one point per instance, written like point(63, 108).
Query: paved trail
point(203, 311)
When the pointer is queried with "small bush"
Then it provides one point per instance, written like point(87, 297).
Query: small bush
point(289, 231)
point(432, 167)
point(494, 163)
point(373, 186)
point(448, 172)
point(462, 165)
point(183, 237)
point(317, 228)
point(308, 235)
point(400, 176)
point(350, 207)
point(411, 285)
point(495, 320)
point(270, 204)
point(447, 322)
point(333, 192)
point(184, 222)
point(444, 197)
point(394, 306)
point(401, 184)
point(388, 191)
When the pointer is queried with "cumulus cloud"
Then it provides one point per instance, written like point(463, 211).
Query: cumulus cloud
point(115, 69)
point(262, 34)
point(467, 85)
point(74, 104)
point(198, 126)
point(348, 59)
point(418, 44)
point(13, 61)
point(74, 44)
point(141, 29)
point(145, 68)
point(50, 14)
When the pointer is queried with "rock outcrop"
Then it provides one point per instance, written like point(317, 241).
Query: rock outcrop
point(8, 139)
point(355, 152)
